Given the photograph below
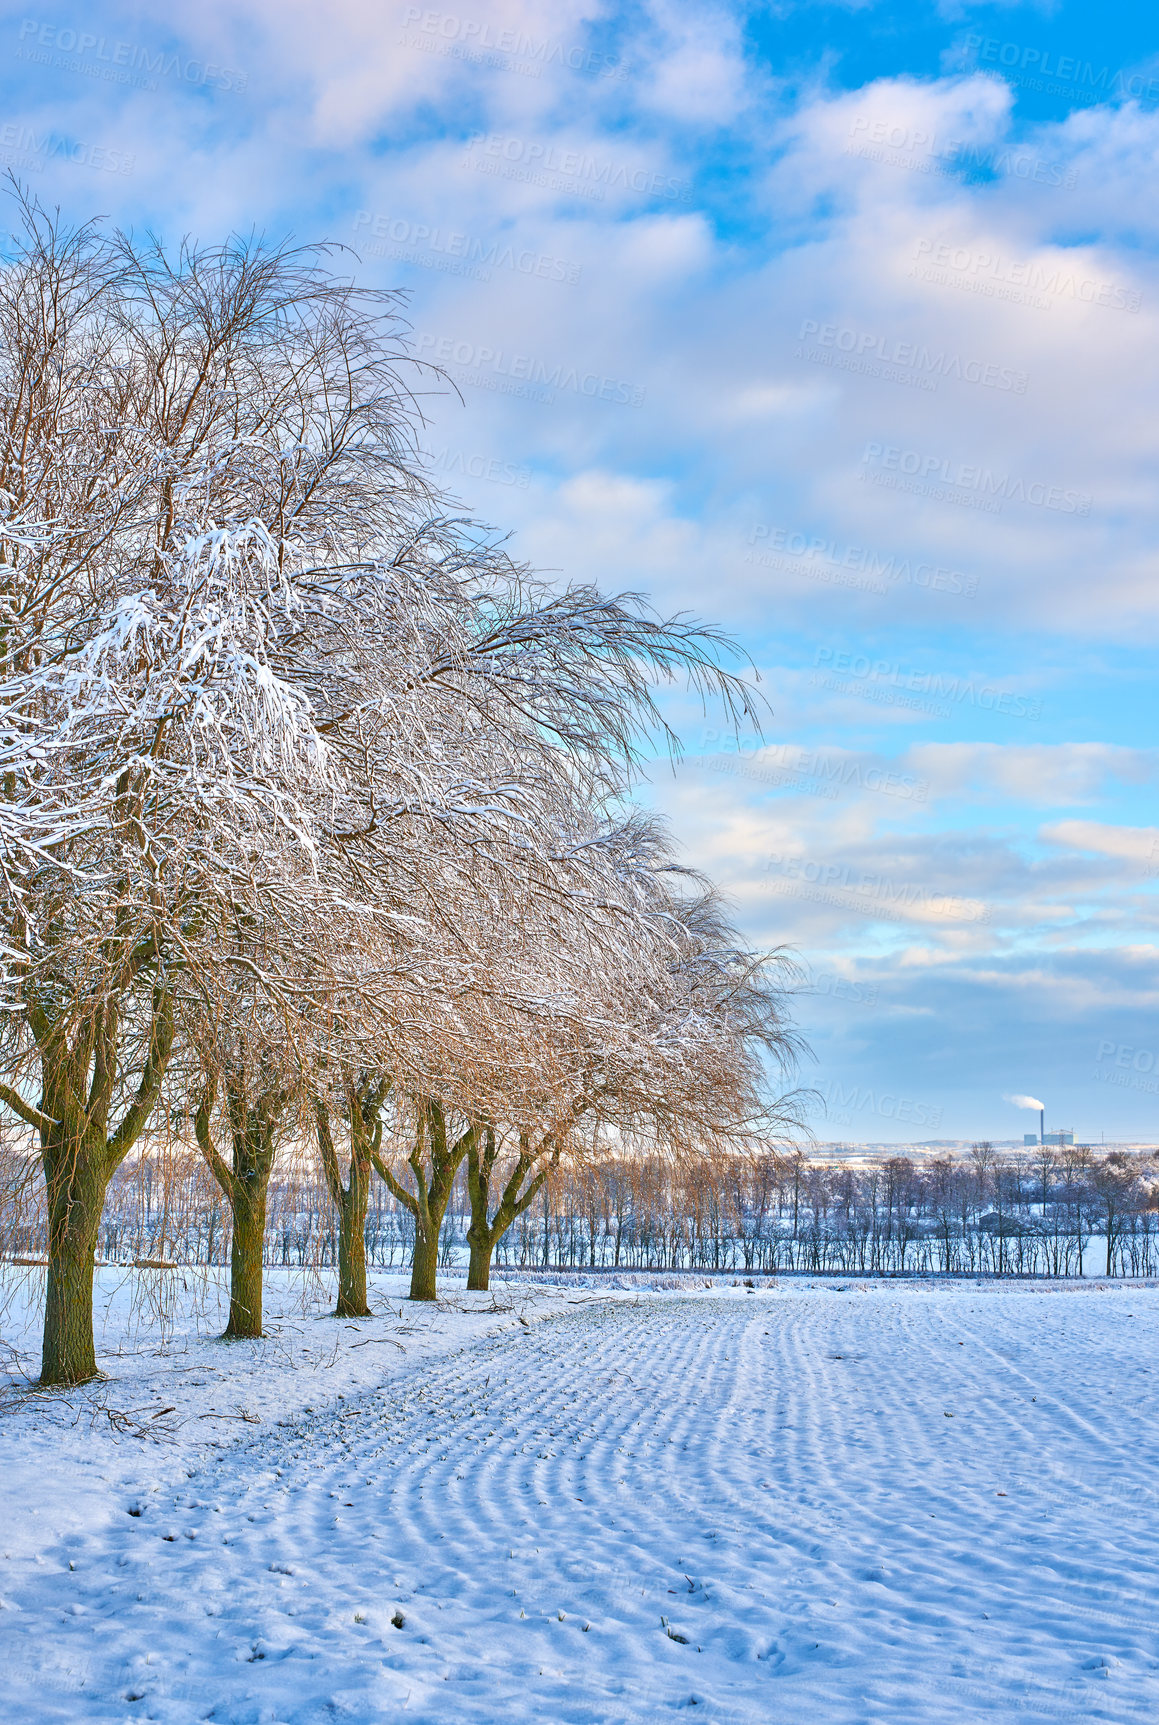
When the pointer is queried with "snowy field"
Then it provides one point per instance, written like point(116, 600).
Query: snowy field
point(818, 1504)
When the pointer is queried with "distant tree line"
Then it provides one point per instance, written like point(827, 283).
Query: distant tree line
point(1063, 1213)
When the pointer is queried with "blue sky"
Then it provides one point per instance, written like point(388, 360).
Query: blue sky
point(836, 324)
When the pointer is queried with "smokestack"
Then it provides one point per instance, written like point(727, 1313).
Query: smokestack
point(1032, 1102)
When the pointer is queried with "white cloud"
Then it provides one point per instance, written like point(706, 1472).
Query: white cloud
point(1131, 844)
point(1032, 773)
point(694, 71)
point(357, 67)
point(773, 331)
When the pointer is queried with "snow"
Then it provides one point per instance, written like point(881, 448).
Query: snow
point(837, 1502)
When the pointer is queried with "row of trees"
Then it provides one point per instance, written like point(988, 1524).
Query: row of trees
point(769, 1212)
point(314, 830)
point(1049, 1214)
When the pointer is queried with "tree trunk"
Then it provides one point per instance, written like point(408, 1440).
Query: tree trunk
point(248, 1201)
point(479, 1268)
point(426, 1263)
point(486, 1231)
point(80, 1157)
point(77, 1181)
point(479, 1235)
point(364, 1099)
point(428, 1202)
point(352, 1242)
point(253, 1131)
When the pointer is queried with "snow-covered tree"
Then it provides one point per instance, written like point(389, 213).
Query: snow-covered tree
point(180, 441)
point(275, 727)
point(673, 1048)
